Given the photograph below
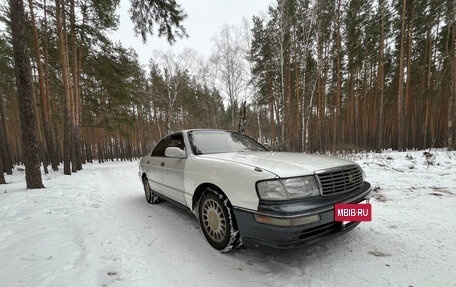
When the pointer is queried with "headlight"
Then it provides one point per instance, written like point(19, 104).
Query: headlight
point(298, 187)
point(271, 190)
point(289, 188)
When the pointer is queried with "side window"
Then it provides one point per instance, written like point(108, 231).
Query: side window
point(174, 140)
point(159, 150)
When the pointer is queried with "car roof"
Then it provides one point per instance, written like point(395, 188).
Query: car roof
point(209, 130)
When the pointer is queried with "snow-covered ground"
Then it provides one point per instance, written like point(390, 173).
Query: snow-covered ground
point(94, 228)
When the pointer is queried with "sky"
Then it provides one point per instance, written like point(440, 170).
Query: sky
point(204, 20)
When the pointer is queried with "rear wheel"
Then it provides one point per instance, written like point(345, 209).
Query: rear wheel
point(217, 221)
point(151, 196)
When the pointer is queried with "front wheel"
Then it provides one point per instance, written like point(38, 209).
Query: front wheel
point(217, 221)
point(151, 196)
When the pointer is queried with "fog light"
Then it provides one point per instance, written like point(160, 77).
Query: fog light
point(296, 221)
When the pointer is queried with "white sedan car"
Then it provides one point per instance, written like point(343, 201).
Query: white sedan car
point(243, 193)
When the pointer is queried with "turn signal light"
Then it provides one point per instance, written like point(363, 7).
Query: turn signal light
point(284, 222)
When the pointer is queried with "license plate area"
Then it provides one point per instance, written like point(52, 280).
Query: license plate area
point(346, 213)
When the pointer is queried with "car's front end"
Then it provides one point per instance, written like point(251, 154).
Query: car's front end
point(299, 211)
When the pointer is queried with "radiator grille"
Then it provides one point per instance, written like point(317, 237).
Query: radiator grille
point(339, 180)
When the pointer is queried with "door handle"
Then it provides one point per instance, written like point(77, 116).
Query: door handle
point(162, 163)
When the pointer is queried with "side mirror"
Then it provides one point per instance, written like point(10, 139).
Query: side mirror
point(174, 152)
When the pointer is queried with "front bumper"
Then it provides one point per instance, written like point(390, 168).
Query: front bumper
point(254, 233)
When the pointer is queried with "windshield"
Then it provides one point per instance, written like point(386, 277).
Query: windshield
point(208, 142)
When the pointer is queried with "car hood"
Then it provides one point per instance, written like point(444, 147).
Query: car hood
point(283, 164)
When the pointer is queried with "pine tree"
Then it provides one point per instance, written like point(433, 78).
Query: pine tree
point(24, 85)
point(45, 111)
point(167, 14)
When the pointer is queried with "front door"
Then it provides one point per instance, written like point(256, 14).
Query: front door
point(169, 172)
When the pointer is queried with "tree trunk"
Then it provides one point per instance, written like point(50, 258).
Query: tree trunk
point(75, 67)
point(451, 48)
point(381, 79)
point(400, 84)
point(427, 85)
point(271, 111)
point(24, 85)
point(320, 92)
point(2, 174)
point(337, 118)
point(242, 117)
point(78, 144)
point(408, 111)
point(63, 57)
point(5, 153)
point(49, 129)
point(45, 112)
point(2, 138)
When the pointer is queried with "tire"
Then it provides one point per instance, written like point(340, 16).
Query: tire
point(151, 196)
point(217, 221)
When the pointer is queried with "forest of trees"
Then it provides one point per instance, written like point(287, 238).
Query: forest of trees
point(358, 74)
point(325, 75)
